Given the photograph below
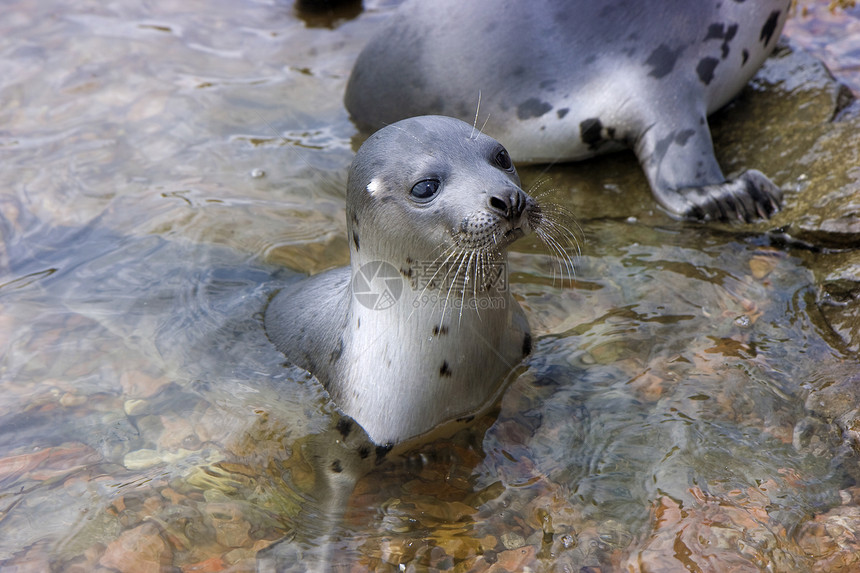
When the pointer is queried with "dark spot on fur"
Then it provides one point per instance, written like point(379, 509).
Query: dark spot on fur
point(590, 59)
point(355, 239)
point(590, 132)
point(466, 419)
point(562, 112)
point(358, 324)
point(731, 31)
point(706, 68)
point(336, 467)
point(406, 272)
point(662, 146)
point(720, 32)
point(548, 85)
point(363, 452)
point(437, 330)
point(610, 132)
point(682, 138)
point(769, 28)
point(344, 427)
point(445, 370)
point(336, 354)
point(382, 451)
point(532, 107)
point(715, 32)
point(662, 61)
point(745, 55)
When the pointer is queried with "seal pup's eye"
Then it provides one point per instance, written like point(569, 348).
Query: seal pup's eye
point(425, 190)
point(503, 160)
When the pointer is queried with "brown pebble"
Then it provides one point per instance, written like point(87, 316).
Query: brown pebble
point(138, 550)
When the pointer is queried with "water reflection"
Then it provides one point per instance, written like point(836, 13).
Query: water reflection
point(148, 212)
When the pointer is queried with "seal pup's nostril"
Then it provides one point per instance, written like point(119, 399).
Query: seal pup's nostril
point(501, 206)
point(510, 204)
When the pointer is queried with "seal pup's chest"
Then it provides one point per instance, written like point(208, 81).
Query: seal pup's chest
point(424, 365)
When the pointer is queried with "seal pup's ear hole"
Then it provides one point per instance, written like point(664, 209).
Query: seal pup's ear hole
point(425, 190)
point(503, 160)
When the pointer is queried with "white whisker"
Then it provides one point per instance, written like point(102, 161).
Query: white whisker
point(473, 135)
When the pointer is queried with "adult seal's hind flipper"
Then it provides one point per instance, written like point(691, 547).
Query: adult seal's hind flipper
point(569, 80)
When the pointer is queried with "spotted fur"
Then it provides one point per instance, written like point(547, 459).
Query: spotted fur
point(568, 80)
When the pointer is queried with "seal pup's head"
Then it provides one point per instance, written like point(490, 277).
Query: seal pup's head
point(433, 187)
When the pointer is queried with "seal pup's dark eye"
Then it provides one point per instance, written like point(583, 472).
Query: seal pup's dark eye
point(425, 190)
point(503, 160)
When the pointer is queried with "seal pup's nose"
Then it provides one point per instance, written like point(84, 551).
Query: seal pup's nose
point(509, 203)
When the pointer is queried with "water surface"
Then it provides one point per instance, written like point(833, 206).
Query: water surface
point(166, 166)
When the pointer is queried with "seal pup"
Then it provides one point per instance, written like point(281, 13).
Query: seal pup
point(421, 328)
point(565, 80)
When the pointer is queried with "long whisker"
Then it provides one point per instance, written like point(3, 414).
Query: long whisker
point(473, 135)
point(564, 262)
point(563, 235)
point(457, 261)
point(450, 251)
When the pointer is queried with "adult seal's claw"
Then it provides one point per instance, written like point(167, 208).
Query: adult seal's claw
point(750, 197)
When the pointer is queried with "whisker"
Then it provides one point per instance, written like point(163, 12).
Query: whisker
point(564, 261)
point(535, 187)
point(484, 125)
point(450, 251)
point(559, 231)
point(453, 283)
point(473, 135)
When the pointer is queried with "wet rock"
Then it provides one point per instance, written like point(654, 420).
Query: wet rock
point(231, 527)
point(178, 433)
point(141, 459)
point(839, 297)
point(836, 398)
point(47, 463)
point(513, 560)
point(137, 407)
point(713, 535)
point(137, 384)
point(138, 550)
point(831, 540)
point(211, 565)
point(803, 127)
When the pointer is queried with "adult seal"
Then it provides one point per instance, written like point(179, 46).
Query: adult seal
point(565, 80)
point(421, 328)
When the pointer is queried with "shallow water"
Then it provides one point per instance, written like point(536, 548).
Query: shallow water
point(165, 167)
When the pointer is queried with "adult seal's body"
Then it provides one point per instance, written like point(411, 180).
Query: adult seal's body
point(421, 327)
point(565, 80)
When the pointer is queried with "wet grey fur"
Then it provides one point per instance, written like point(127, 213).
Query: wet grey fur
point(401, 371)
point(565, 80)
